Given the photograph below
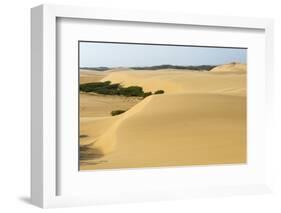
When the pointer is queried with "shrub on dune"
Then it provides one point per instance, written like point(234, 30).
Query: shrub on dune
point(159, 92)
point(91, 87)
point(146, 94)
point(117, 112)
point(106, 88)
point(131, 91)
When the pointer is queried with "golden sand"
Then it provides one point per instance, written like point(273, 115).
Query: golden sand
point(200, 120)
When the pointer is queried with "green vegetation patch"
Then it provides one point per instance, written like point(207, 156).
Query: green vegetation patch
point(107, 88)
point(131, 91)
point(159, 92)
point(117, 112)
point(146, 94)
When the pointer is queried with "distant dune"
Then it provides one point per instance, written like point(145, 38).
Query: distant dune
point(233, 68)
point(201, 119)
point(175, 81)
point(87, 76)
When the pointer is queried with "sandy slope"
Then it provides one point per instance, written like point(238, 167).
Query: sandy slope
point(93, 105)
point(201, 119)
point(174, 81)
point(87, 76)
point(231, 68)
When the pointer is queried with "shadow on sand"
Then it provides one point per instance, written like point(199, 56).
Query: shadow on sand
point(90, 156)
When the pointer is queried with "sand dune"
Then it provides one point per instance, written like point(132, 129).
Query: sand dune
point(201, 119)
point(192, 129)
point(175, 81)
point(93, 105)
point(87, 76)
point(233, 67)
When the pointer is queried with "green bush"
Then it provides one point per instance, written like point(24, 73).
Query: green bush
point(131, 91)
point(106, 88)
point(159, 92)
point(117, 112)
point(91, 87)
point(146, 94)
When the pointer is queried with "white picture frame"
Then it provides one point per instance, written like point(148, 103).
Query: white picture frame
point(44, 153)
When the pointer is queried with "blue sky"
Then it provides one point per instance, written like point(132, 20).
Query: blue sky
point(128, 55)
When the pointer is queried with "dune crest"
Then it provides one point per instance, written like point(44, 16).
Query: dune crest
point(233, 67)
point(106, 142)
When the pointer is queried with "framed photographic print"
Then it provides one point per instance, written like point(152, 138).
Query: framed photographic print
point(130, 106)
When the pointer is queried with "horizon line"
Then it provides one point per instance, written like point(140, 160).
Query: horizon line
point(159, 65)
